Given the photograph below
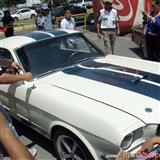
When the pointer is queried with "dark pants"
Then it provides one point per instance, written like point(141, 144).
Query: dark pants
point(9, 33)
point(153, 46)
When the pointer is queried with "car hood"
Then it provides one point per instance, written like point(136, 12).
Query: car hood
point(130, 90)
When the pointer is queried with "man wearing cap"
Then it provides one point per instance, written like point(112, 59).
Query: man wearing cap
point(46, 18)
point(107, 25)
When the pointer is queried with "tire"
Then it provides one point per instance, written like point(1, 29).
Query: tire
point(33, 16)
point(67, 146)
point(15, 19)
point(90, 19)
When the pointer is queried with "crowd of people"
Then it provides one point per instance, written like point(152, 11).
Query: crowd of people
point(108, 27)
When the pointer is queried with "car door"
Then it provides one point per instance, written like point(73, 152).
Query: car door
point(14, 96)
point(26, 13)
point(18, 15)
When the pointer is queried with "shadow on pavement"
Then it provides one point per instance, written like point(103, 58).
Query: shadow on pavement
point(138, 52)
point(35, 137)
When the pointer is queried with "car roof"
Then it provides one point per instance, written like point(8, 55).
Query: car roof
point(19, 41)
point(19, 9)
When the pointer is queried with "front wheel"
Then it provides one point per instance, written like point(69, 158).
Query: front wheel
point(69, 147)
point(33, 16)
point(15, 19)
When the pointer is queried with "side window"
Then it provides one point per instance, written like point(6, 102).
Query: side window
point(5, 54)
point(75, 43)
point(78, 1)
point(25, 10)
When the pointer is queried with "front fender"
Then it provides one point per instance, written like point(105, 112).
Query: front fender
point(77, 133)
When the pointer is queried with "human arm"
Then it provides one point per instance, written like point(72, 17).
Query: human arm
point(149, 145)
point(15, 149)
point(7, 78)
point(117, 25)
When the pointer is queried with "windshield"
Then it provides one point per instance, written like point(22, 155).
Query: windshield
point(56, 53)
point(14, 11)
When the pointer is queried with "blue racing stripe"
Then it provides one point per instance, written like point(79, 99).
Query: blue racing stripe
point(120, 80)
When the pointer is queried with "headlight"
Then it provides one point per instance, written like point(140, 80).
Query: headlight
point(127, 141)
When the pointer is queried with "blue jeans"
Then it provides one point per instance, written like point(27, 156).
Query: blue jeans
point(9, 121)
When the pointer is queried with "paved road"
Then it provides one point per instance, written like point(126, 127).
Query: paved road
point(123, 47)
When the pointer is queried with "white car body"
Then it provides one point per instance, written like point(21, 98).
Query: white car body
point(1, 15)
point(81, 3)
point(25, 13)
point(100, 111)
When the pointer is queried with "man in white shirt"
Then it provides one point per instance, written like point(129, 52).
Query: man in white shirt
point(46, 18)
point(68, 22)
point(107, 25)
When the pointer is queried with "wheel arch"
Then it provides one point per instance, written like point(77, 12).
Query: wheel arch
point(58, 124)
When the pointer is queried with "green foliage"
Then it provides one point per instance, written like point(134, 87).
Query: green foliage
point(56, 2)
point(11, 2)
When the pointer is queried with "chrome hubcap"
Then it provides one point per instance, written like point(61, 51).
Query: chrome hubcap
point(69, 149)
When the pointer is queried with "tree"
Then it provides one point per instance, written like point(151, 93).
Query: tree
point(57, 2)
point(11, 2)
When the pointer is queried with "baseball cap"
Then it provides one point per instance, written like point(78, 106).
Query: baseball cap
point(109, 1)
point(44, 6)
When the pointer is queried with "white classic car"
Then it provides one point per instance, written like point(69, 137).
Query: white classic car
point(89, 105)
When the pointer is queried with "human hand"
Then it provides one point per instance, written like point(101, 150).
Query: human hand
point(144, 13)
point(152, 19)
point(148, 145)
point(15, 66)
point(118, 31)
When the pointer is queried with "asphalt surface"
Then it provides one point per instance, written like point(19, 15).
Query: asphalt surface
point(123, 47)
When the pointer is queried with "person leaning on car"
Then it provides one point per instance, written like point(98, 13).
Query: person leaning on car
point(8, 78)
point(153, 31)
point(107, 25)
point(8, 139)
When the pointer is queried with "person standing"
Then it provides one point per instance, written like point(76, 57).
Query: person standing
point(68, 21)
point(8, 21)
point(153, 31)
point(107, 25)
point(45, 18)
